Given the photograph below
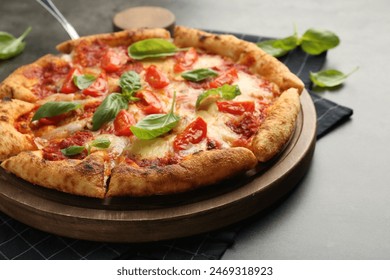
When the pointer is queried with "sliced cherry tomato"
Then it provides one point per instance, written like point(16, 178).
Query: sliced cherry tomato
point(236, 107)
point(114, 59)
point(184, 60)
point(149, 102)
point(192, 134)
point(155, 78)
point(99, 87)
point(68, 86)
point(227, 77)
point(51, 120)
point(122, 123)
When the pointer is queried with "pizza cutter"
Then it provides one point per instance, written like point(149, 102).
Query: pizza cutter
point(49, 6)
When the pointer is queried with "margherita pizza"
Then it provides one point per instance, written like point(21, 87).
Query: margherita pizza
point(138, 113)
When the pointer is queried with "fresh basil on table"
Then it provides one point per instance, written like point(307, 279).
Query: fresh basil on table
point(11, 46)
point(155, 125)
point(227, 92)
point(53, 108)
point(198, 75)
point(313, 41)
point(329, 78)
point(316, 41)
point(152, 48)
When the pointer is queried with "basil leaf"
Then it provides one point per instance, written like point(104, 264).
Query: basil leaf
point(155, 125)
point(329, 78)
point(316, 41)
point(72, 150)
point(83, 81)
point(11, 46)
point(198, 75)
point(130, 82)
point(280, 47)
point(268, 47)
point(100, 143)
point(151, 48)
point(108, 110)
point(289, 43)
point(52, 108)
point(227, 92)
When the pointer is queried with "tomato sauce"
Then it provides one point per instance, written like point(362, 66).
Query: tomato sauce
point(53, 150)
point(22, 123)
point(47, 78)
point(246, 126)
point(89, 54)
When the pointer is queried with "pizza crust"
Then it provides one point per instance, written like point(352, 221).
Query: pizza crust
point(240, 51)
point(278, 126)
point(79, 177)
point(203, 168)
point(20, 84)
point(12, 141)
point(126, 37)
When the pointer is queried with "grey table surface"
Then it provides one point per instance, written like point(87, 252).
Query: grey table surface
point(341, 208)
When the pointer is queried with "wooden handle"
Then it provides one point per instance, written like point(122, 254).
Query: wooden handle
point(147, 16)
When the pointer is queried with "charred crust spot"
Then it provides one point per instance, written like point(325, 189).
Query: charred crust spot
point(202, 38)
point(4, 118)
point(88, 167)
point(6, 99)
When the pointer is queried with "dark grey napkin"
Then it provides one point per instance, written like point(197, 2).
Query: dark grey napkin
point(19, 241)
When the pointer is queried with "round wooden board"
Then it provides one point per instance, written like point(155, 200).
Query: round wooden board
point(164, 217)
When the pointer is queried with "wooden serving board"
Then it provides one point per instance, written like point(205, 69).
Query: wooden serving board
point(164, 217)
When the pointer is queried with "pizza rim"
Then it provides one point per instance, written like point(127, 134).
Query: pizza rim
point(247, 53)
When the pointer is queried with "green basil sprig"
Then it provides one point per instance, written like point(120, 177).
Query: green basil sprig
point(130, 82)
point(100, 143)
point(269, 47)
point(108, 109)
point(113, 103)
point(227, 92)
point(11, 46)
point(151, 48)
point(316, 41)
point(313, 41)
point(83, 81)
point(329, 78)
point(198, 75)
point(72, 150)
point(280, 47)
point(52, 109)
point(155, 125)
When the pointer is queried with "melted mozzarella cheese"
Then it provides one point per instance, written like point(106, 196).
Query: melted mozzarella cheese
point(117, 143)
point(208, 61)
point(250, 87)
point(65, 130)
point(216, 126)
point(151, 149)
